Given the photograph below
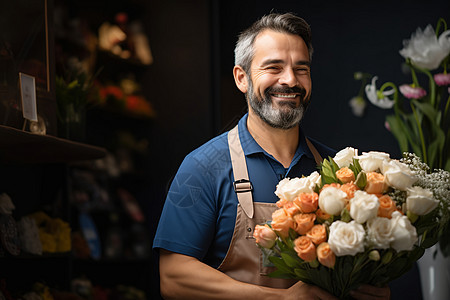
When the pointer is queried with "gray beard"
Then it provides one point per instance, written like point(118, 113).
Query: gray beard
point(285, 117)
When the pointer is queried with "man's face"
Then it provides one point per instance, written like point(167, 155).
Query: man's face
point(279, 89)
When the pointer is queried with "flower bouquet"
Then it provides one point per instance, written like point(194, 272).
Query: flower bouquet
point(360, 219)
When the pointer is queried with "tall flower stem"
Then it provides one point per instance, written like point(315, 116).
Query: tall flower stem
point(416, 81)
point(422, 139)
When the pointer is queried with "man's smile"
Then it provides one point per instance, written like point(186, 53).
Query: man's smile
point(285, 96)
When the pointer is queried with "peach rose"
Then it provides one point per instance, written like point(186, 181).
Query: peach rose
point(325, 256)
point(264, 236)
point(375, 183)
point(350, 189)
point(334, 184)
point(321, 215)
point(281, 222)
point(305, 248)
point(345, 175)
point(291, 209)
point(307, 202)
point(280, 203)
point(387, 206)
point(317, 234)
point(304, 222)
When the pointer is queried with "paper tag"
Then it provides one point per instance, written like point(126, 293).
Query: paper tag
point(28, 94)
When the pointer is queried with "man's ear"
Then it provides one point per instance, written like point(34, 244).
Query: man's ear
point(240, 78)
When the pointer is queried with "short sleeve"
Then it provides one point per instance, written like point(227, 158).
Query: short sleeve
point(188, 218)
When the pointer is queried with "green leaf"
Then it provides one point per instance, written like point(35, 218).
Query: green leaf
point(416, 253)
point(398, 131)
point(302, 274)
point(361, 180)
point(292, 262)
point(279, 263)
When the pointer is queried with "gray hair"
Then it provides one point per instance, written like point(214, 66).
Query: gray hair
point(285, 23)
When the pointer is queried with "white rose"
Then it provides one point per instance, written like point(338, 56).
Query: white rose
point(345, 157)
point(398, 175)
point(346, 238)
point(332, 200)
point(363, 206)
point(314, 178)
point(379, 232)
point(373, 160)
point(403, 232)
point(288, 189)
point(420, 201)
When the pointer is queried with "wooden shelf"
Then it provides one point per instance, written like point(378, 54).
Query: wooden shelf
point(18, 146)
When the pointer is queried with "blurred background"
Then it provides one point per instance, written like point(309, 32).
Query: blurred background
point(160, 84)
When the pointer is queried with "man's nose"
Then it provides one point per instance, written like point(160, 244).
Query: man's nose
point(288, 78)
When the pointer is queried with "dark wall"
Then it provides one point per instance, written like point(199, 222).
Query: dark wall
point(348, 36)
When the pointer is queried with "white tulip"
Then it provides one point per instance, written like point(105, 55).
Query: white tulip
point(420, 201)
point(346, 238)
point(363, 206)
point(332, 200)
point(372, 94)
point(426, 50)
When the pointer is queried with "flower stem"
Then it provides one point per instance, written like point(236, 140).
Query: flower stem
point(422, 139)
point(446, 108)
point(430, 77)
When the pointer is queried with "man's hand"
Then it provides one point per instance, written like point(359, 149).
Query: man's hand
point(369, 292)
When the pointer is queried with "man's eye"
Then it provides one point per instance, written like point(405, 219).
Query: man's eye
point(303, 70)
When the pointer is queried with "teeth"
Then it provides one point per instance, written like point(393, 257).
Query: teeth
point(285, 95)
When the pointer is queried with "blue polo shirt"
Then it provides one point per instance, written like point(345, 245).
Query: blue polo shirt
point(200, 210)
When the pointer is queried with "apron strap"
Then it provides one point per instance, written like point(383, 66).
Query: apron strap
point(242, 185)
point(314, 152)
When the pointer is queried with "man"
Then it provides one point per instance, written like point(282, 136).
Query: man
point(205, 232)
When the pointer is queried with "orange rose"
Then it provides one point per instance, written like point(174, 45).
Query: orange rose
point(305, 248)
point(280, 203)
point(387, 206)
point(321, 215)
point(317, 234)
point(375, 183)
point(325, 256)
point(334, 184)
point(345, 175)
point(291, 209)
point(304, 222)
point(281, 222)
point(264, 236)
point(308, 202)
point(350, 189)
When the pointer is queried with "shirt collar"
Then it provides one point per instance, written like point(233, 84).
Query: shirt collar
point(250, 146)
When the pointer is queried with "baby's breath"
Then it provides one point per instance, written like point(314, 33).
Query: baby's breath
point(437, 181)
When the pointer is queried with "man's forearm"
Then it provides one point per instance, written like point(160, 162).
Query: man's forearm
point(185, 277)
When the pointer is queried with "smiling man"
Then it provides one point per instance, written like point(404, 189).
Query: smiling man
point(226, 186)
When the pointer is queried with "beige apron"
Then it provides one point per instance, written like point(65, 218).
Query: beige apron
point(243, 260)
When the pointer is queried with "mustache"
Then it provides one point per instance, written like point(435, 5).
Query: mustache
point(286, 90)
